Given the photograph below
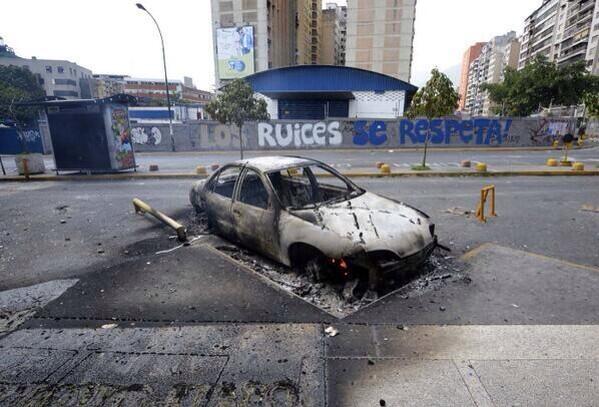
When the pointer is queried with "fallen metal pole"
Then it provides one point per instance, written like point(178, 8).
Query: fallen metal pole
point(142, 207)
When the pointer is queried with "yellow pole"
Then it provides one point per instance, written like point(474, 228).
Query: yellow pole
point(142, 207)
point(493, 201)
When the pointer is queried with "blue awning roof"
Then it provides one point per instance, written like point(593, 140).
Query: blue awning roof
point(323, 79)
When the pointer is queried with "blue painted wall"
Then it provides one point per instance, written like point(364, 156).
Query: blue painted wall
point(10, 143)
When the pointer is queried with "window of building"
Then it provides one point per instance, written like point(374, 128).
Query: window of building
point(66, 93)
point(227, 20)
point(250, 4)
point(60, 69)
point(226, 6)
point(59, 81)
point(48, 68)
point(250, 17)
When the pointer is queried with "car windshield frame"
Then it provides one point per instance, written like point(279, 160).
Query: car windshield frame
point(353, 190)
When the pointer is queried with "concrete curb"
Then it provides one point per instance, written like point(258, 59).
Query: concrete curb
point(129, 176)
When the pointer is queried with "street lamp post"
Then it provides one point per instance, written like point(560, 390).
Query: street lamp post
point(168, 97)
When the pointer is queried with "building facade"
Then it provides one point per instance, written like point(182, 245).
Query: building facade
point(308, 19)
point(564, 31)
point(470, 55)
point(380, 35)
point(153, 89)
point(149, 90)
point(488, 68)
point(59, 78)
point(333, 34)
point(318, 92)
point(106, 85)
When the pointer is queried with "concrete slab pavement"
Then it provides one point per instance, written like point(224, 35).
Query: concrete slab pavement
point(503, 286)
point(197, 365)
point(466, 365)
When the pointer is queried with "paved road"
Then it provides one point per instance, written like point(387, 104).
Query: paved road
point(538, 214)
point(191, 327)
point(347, 159)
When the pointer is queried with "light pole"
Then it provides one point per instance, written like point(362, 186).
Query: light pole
point(168, 97)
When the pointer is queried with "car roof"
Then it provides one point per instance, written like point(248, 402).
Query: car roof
point(276, 162)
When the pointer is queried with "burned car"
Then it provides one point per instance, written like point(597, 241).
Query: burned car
point(304, 214)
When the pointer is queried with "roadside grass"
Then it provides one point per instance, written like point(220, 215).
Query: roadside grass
point(420, 167)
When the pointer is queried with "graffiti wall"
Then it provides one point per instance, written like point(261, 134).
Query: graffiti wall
point(11, 143)
point(359, 134)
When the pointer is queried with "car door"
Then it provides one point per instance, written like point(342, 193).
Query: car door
point(219, 200)
point(254, 214)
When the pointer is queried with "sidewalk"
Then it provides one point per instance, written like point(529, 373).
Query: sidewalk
point(513, 170)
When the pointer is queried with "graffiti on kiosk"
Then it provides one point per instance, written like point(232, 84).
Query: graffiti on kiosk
point(447, 131)
point(299, 134)
point(31, 136)
point(139, 136)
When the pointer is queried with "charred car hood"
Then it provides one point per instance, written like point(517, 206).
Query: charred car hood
point(374, 223)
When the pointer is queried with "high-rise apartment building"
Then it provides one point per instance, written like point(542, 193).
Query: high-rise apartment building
point(308, 25)
point(380, 35)
point(470, 55)
point(501, 52)
point(268, 43)
point(333, 34)
point(564, 31)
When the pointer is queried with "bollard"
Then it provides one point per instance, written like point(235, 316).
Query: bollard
point(201, 170)
point(578, 166)
point(551, 162)
point(481, 167)
point(26, 169)
point(385, 169)
point(465, 164)
point(153, 167)
point(480, 210)
point(142, 207)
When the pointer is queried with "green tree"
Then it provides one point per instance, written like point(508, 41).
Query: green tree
point(18, 85)
point(541, 83)
point(236, 104)
point(591, 104)
point(437, 98)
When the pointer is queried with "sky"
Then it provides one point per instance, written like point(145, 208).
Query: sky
point(113, 36)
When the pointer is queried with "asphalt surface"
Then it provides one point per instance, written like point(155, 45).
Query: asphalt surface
point(346, 160)
point(56, 230)
point(118, 323)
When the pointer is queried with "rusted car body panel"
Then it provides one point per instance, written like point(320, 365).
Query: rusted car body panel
point(366, 229)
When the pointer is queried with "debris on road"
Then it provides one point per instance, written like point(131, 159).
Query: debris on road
point(330, 331)
point(459, 211)
point(589, 208)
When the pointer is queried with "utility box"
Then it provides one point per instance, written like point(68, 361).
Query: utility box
point(91, 135)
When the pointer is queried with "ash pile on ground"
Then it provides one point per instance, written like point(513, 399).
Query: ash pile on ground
point(336, 298)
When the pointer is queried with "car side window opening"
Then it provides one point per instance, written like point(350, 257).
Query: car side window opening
point(309, 186)
point(225, 182)
point(253, 192)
